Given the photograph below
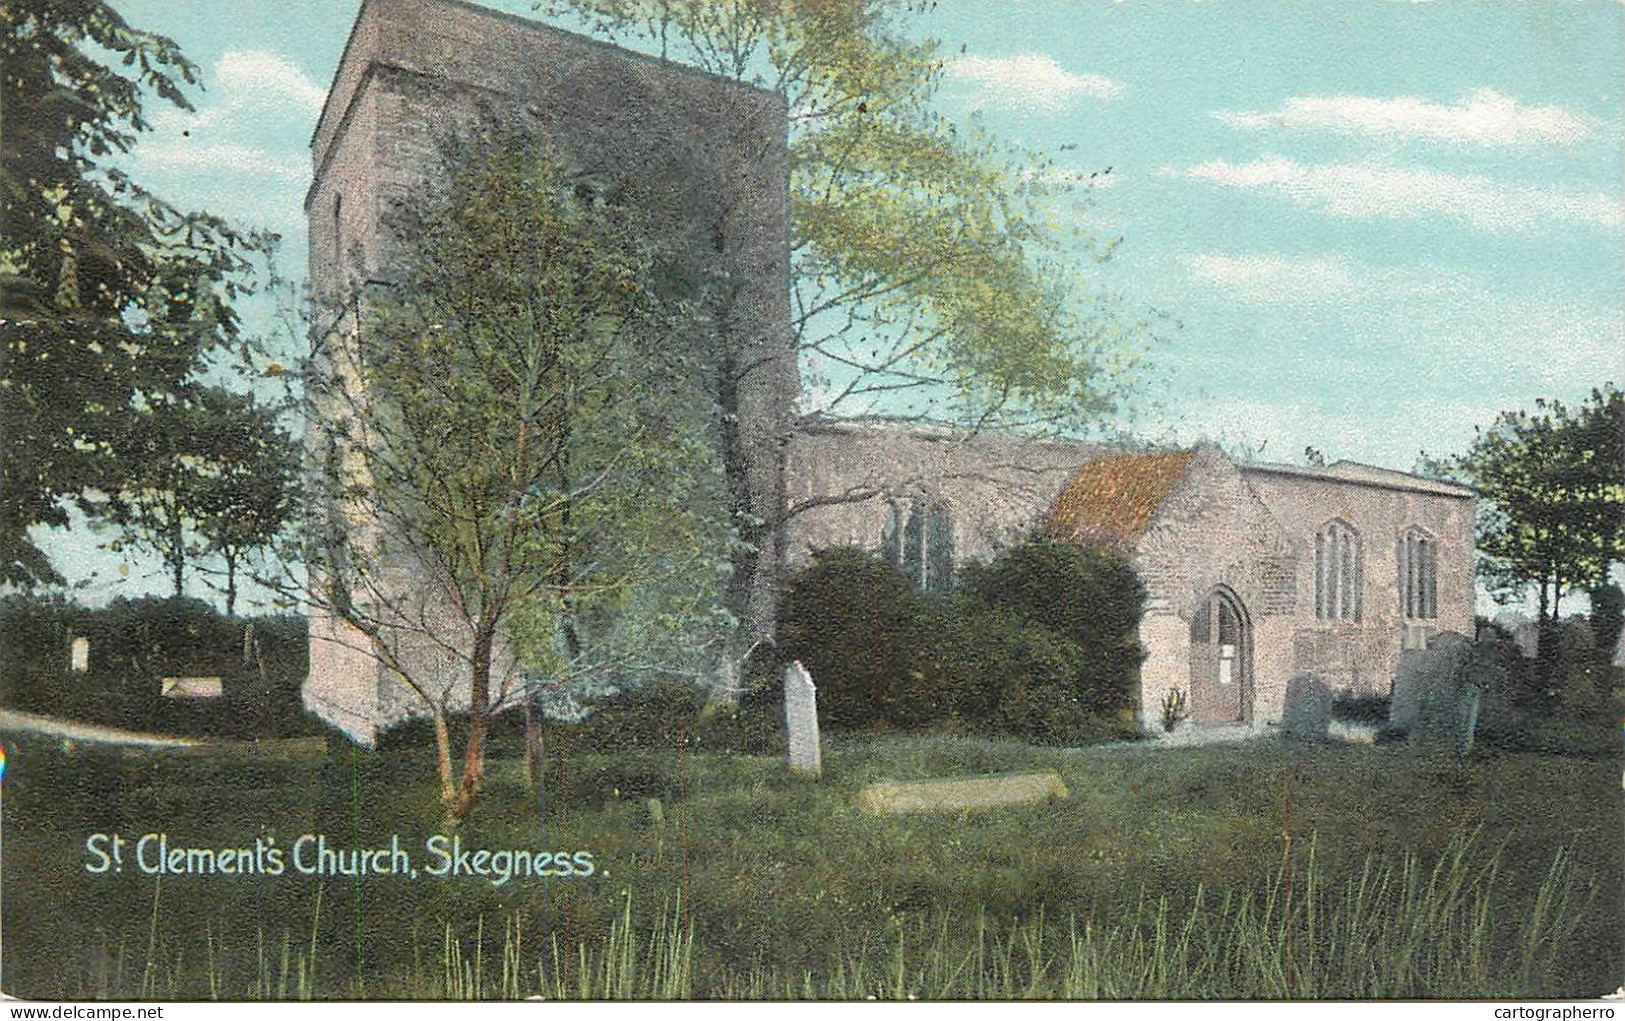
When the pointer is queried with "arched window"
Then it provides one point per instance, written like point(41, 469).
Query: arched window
point(920, 541)
point(891, 535)
point(1418, 575)
point(1337, 572)
point(939, 549)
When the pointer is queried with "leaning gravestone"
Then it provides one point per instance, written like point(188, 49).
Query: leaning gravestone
point(801, 720)
point(892, 797)
point(1439, 692)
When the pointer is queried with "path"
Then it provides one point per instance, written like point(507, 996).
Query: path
point(13, 721)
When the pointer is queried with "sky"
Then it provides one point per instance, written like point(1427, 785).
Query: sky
point(1366, 227)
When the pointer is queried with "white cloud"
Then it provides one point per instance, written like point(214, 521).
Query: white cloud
point(230, 155)
point(222, 158)
point(1484, 117)
point(1273, 280)
point(249, 82)
point(1031, 80)
point(1368, 191)
point(261, 75)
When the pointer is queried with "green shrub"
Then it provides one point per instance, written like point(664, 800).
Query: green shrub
point(1607, 617)
point(1000, 674)
point(863, 631)
point(655, 715)
point(134, 643)
point(1091, 597)
point(1351, 707)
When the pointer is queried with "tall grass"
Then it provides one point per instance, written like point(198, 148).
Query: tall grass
point(1397, 928)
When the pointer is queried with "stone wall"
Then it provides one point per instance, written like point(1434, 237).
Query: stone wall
point(1211, 531)
point(1363, 655)
point(841, 479)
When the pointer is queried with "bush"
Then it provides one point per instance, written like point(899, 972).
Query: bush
point(654, 715)
point(1090, 597)
point(1351, 707)
point(134, 644)
point(1607, 617)
point(863, 631)
point(1041, 643)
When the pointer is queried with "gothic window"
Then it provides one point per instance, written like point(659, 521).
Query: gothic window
point(939, 549)
point(1418, 575)
point(914, 544)
point(919, 539)
point(891, 535)
point(1337, 572)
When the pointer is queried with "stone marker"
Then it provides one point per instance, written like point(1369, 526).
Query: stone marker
point(801, 720)
point(1307, 715)
point(192, 687)
point(1439, 692)
point(79, 655)
point(892, 797)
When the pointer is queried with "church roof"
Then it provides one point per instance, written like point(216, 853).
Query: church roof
point(1112, 499)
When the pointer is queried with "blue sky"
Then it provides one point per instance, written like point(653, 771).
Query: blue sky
point(1376, 224)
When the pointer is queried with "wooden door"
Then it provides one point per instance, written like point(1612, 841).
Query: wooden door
point(1221, 660)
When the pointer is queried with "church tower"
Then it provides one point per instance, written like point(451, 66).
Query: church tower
point(418, 82)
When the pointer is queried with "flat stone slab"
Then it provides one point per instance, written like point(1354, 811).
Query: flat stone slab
point(895, 797)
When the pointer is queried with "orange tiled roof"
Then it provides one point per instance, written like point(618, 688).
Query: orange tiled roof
point(1112, 499)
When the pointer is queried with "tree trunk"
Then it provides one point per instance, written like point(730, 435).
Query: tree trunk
point(533, 742)
point(231, 586)
point(479, 697)
point(538, 756)
point(755, 438)
point(178, 562)
point(442, 749)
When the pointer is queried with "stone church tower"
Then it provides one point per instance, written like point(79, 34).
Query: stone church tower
point(421, 79)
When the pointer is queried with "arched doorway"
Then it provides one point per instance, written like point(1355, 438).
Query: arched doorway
point(1221, 660)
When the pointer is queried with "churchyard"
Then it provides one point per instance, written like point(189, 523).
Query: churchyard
point(1266, 869)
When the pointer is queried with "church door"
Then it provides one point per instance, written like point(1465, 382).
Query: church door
point(1221, 660)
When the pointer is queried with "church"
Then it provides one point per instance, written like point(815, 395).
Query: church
point(1256, 572)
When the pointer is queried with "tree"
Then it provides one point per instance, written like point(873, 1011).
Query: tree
point(113, 298)
point(1552, 484)
point(247, 498)
point(929, 281)
point(157, 496)
point(520, 478)
point(210, 474)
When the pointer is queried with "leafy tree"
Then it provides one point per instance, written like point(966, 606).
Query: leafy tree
point(113, 298)
point(210, 474)
point(1552, 483)
point(521, 484)
point(929, 278)
point(246, 499)
point(158, 495)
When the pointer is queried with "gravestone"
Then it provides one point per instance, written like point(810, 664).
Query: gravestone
point(192, 687)
point(892, 797)
point(1307, 715)
point(1439, 692)
point(79, 655)
point(801, 720)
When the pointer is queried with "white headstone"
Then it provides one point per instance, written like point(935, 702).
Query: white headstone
point(79, 655)
point(801, 720)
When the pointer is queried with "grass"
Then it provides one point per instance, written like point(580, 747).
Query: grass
point(1255, 871)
